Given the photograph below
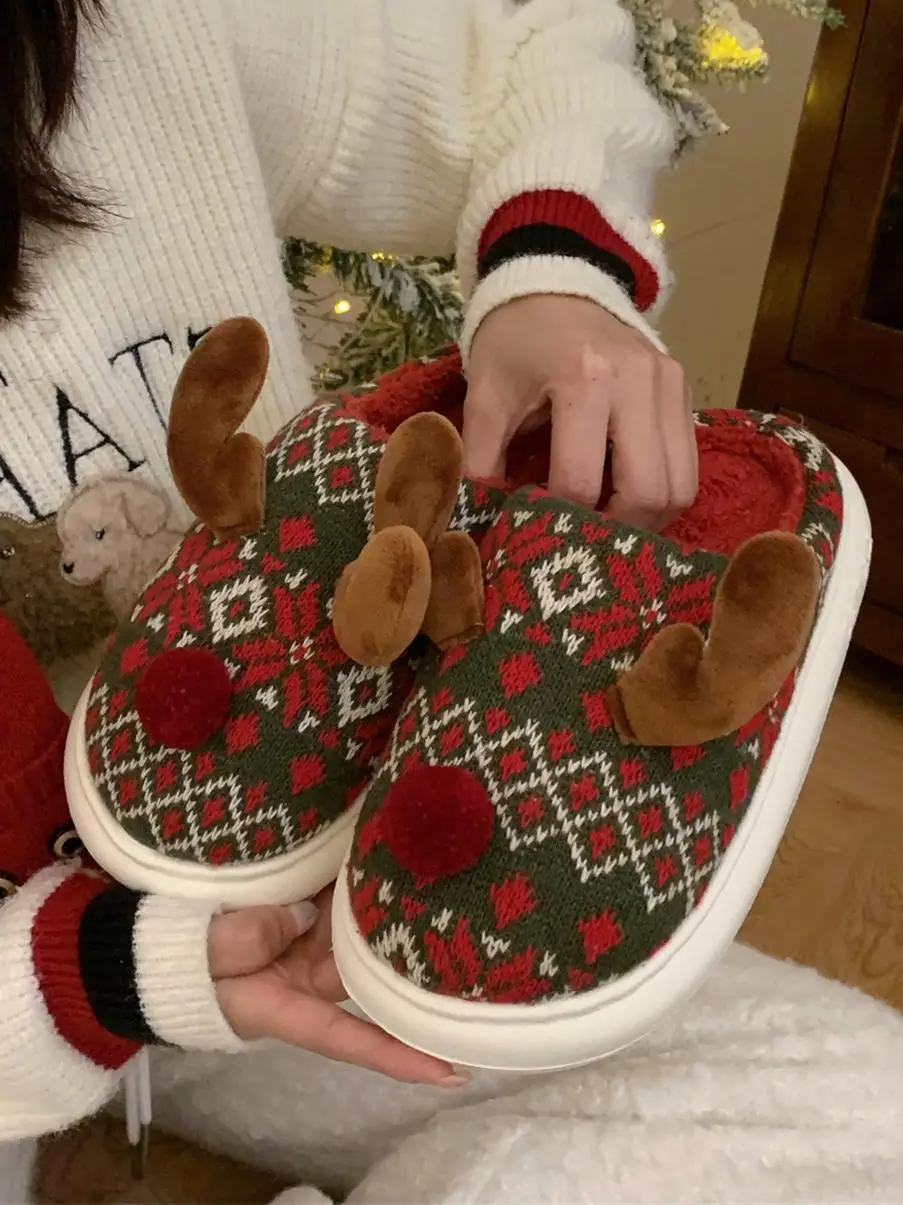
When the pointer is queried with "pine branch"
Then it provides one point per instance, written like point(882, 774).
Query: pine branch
point(677, 56)
point(412, 308)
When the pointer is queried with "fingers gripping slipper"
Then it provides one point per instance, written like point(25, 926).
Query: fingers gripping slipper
point(577, 807)
point(220, 749)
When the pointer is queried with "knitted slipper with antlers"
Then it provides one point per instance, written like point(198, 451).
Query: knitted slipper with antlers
point(223, 746)
point(576, 808)
point(223, 743)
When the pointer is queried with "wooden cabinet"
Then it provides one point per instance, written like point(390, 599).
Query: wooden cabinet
point(828, 340)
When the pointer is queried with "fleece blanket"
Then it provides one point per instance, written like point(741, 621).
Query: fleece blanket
point(773, 1086)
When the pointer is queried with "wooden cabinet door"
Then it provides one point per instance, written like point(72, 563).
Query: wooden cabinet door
point(850, 322)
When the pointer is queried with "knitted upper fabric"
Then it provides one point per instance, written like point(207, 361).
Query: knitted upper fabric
point(253, 748)
point(597, 851)
point(246, 752)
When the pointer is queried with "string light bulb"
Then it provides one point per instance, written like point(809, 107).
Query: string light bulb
point(658, 228)
point(726, 51)
point(342, 306)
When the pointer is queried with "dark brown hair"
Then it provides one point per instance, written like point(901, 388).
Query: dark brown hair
point(38, 89)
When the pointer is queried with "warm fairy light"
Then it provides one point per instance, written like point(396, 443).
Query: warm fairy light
point(658, 228)
point(342, 306)
point(724, 50)
point(377, 255)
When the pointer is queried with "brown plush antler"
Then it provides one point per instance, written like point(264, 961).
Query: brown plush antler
point(219, 471)
point(685, 690)
point(418, 477)
point(456, 608)
point(384, 597)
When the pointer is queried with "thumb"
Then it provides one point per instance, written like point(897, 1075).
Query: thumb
point(242, 942)
point(485, 431)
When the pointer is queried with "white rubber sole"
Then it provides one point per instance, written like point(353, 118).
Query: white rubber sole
point(583, 1028)
point(284, 880)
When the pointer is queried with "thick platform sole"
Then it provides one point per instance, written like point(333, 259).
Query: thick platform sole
point(282, 880)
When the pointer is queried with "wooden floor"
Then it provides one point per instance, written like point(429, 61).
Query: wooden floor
point(833, 899)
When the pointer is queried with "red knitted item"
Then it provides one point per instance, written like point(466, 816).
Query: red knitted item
point(596, 851)
point(35, 830)
point(54, 944)
point(183, 697)
point(35, 826)
point(572, 212)
point(437, 821)
point(262, 772)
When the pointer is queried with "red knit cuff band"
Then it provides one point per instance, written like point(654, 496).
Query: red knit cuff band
point(56, 940)
point(558, 222)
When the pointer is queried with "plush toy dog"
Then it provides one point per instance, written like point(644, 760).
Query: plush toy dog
point(116, 532)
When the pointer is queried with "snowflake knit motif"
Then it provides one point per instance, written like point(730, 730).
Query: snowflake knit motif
point(598, 851)
point(305, 723)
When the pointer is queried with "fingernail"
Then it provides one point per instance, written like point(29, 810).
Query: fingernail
point(305, 914)
point(455, 1081)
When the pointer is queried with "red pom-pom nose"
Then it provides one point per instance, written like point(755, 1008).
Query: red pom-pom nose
point(183, 697)
point(437, 821)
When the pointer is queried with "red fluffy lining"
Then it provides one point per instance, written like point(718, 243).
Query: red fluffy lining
point(183, 697)
point(749, 483)
point(437, 821)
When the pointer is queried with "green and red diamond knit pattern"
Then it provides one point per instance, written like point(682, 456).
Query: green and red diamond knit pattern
point(306, 724)
point(599, 850)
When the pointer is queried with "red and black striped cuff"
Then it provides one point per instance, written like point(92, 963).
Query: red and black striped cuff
point(83, 952)
point(558, 222)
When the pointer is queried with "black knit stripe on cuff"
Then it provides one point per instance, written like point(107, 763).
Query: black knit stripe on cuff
point(106, 954)
point(542, 238)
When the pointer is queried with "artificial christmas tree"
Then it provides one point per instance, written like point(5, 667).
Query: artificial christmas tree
point(363, 312)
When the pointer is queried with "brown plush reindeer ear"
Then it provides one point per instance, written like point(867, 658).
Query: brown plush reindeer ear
point(219, 471)
point(418, 477)
point(382, 597)
point(457, 603)
point(685, 690)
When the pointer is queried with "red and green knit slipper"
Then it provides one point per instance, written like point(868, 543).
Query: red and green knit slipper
point(530, 884)
point(222, 745)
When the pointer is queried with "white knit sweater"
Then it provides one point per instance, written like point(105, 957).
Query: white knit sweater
point(210, 128)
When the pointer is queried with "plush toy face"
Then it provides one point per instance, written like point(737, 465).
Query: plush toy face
point(101, 524)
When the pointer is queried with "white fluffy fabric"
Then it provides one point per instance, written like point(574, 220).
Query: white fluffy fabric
point(775, 1085)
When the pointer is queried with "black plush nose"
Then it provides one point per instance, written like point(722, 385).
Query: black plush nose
point(68, 567)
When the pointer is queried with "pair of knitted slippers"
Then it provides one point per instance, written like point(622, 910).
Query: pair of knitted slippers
point(547, 757)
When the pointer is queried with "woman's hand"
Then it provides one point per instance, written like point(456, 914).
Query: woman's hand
point(275, 977)
point(567, 359)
